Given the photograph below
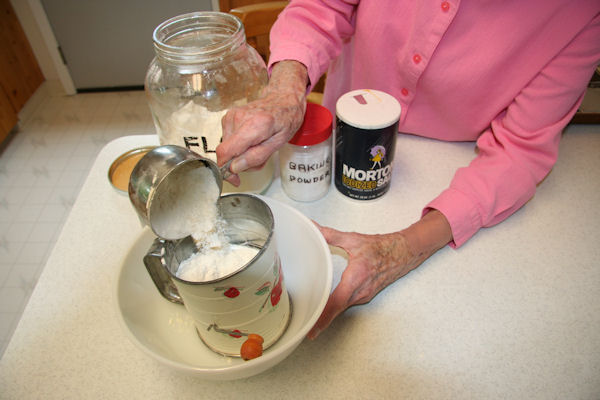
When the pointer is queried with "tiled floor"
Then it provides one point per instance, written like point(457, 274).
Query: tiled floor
point(42, 168)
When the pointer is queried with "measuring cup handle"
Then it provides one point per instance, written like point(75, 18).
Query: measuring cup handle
point(159, 274)
point(225, 171)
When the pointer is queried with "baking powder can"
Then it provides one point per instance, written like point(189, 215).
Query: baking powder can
point(365, 141)
point(305, 161)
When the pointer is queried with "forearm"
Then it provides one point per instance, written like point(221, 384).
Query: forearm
point(398, 253)
point(290, 77)
point(428, 235)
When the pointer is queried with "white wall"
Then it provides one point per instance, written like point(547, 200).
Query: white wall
point(41, 37)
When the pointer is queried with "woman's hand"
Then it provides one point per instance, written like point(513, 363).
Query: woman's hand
point(376, 261)
point(253, 132)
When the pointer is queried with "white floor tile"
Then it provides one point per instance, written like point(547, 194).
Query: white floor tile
point(15, 163)
point(7, 324)
point(55, 212)
point(33, 253)
point(28, 213)
point(39, 195)
point(63, 195)
point(23, 276)
point(12, 299)
point(44, 232)
point(7, 212)
point(5, 269)
point(17, 194)
point(9, 250)
point(42, 169)
point(19, 231)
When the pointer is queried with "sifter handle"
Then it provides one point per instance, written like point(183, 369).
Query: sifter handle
point(158, 272)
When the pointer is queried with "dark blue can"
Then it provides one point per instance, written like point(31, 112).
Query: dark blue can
point(365, 143)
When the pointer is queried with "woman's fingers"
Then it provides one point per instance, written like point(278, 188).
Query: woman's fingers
point(342, 296)
point(374, 261)
point(252, 132)
point(256, 156)
point(337, 238)
point(234, 179)
point(336, 304)
point(243, 134)
point(354, 288)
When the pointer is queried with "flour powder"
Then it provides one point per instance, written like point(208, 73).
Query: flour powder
point(188, 206)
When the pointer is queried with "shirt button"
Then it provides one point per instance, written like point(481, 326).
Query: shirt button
point(416, 58)
point(445, 6)
point(404, 92)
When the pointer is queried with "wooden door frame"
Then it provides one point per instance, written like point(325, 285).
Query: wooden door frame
point(34, 21)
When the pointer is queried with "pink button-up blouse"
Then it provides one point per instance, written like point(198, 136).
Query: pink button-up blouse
point(507, 74)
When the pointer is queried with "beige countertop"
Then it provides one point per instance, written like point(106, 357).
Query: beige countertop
point(513, 314)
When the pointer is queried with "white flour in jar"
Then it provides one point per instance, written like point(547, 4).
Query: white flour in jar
point(195, 127)
point(189, 205)
point(199, 129)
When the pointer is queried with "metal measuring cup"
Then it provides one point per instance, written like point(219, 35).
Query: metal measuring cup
point(149, 180)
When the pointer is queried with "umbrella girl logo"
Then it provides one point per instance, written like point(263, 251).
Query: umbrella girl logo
point(375, 177)
point(377, 156)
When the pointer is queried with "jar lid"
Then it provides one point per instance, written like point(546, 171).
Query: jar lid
point(368, 109)
point(120, 170)
point(316, 126)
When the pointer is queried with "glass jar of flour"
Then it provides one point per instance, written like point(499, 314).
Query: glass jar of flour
point(202, 68)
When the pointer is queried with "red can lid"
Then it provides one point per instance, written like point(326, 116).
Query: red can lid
point(316, 126)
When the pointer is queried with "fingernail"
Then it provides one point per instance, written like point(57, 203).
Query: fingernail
point(238, 165)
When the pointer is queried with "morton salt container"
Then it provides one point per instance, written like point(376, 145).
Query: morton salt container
point(365, 141)
point(202, 68)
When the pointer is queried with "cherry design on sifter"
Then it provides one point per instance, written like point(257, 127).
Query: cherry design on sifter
point(277, 290)
point(231, 292)
point(273, 297)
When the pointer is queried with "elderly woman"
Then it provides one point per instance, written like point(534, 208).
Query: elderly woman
point(508, 75)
